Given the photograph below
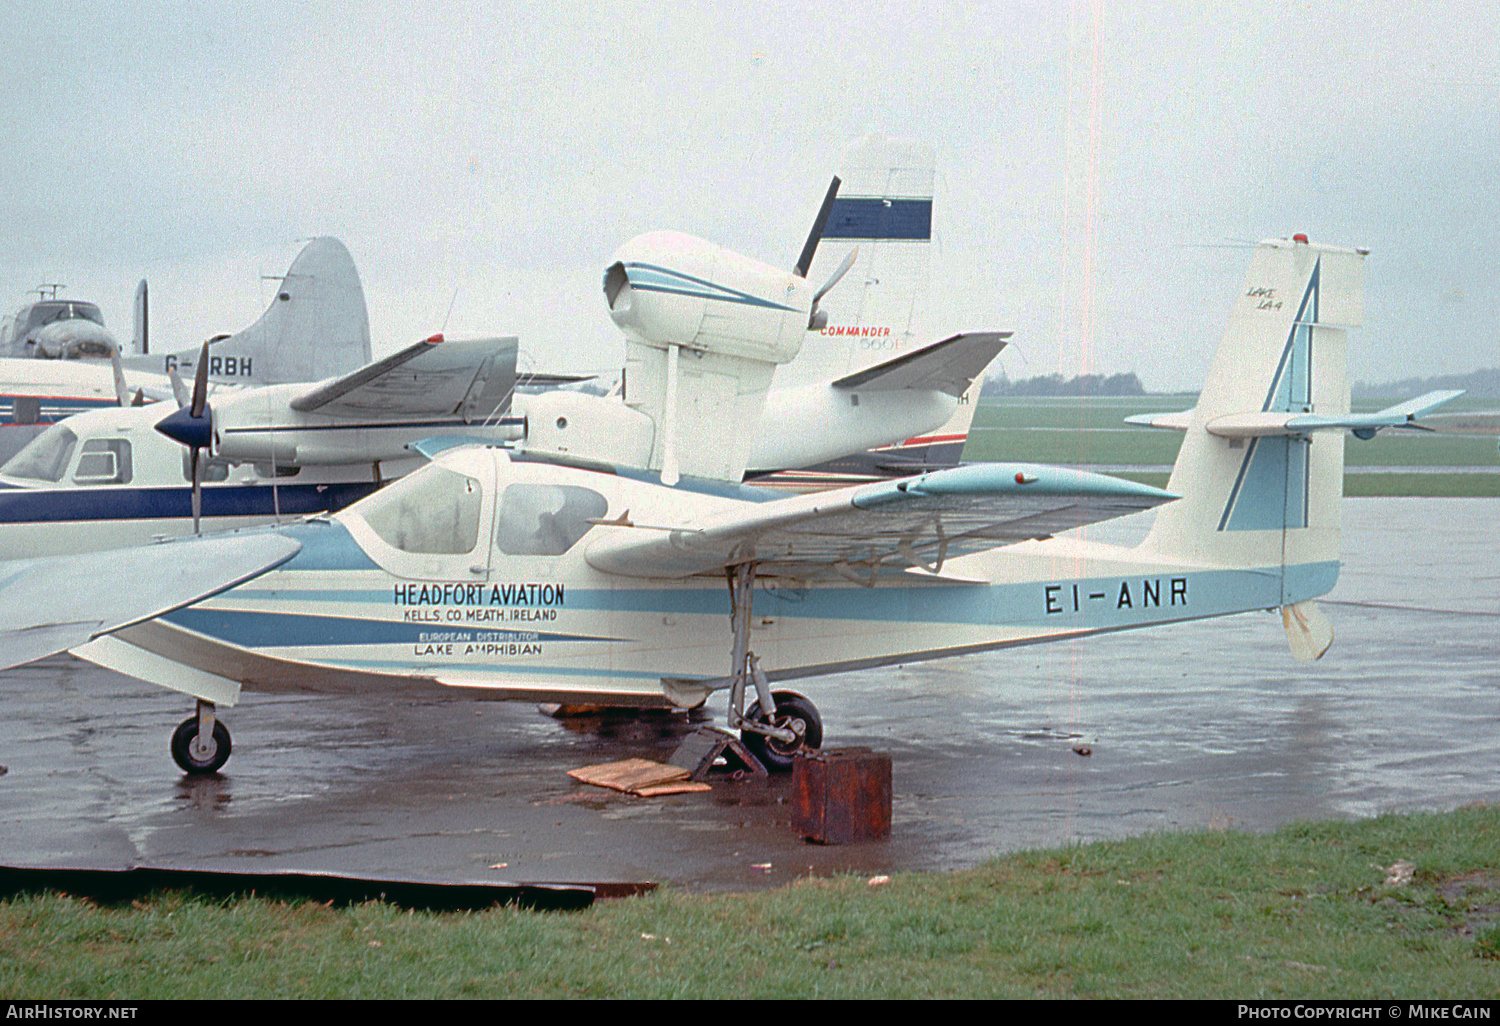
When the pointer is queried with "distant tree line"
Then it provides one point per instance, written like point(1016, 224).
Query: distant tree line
point(1056, 384)
point(1481, 384)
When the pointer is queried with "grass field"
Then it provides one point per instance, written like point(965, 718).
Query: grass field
point(1304, 912)
point(1092, 431)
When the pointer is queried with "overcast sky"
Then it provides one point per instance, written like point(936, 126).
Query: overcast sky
point(1093, 160)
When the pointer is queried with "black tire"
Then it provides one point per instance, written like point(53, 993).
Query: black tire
point(778, 756)
point(182, 753)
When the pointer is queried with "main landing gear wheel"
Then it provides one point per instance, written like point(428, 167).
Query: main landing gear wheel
point(199, 759)
point(793, 711)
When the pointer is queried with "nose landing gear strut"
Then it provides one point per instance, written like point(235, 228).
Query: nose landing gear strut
point(779, 724)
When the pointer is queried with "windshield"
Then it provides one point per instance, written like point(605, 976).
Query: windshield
point(61, 310)
point(432, 510)
point(45, 457)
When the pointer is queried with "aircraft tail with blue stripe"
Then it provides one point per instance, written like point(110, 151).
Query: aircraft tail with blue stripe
point(1261, 466)
point(884, 210)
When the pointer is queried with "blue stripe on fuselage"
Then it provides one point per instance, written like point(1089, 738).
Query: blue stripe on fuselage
point(50, 409)
point(1099, 603)
point(118, 502)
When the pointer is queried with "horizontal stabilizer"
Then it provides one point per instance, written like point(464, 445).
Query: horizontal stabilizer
point(949, 366)
point(431, 378)
point(1421, 405)
point(1178, 421)
point(860, 531)
point(170, 575)
point(1364, 425)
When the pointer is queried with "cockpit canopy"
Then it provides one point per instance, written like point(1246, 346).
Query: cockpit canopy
point(57, 329)
point(471, 503)
point(46, 312)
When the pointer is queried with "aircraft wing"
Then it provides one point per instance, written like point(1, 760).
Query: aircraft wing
point(49, 605)
point(948, 366)
point(475, 377)
point(860, 531)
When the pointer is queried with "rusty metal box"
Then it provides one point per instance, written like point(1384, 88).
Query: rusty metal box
point(842, 795)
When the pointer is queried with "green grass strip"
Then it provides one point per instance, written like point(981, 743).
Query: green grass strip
point(1301, 913)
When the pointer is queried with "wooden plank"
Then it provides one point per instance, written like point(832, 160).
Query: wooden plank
point(628, 775)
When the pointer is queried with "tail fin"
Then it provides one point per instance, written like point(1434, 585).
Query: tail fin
point(1256, 491)
point(141, 321)
point(885, 208)
point(935, 450)
point(946, 445)
point(317, 327)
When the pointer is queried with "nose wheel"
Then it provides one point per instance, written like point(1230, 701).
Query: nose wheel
point(794, 713)
point(200, 744)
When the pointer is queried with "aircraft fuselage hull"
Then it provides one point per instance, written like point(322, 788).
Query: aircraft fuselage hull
point(568, 633)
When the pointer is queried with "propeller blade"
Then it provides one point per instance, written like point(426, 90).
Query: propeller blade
point(833, 279)
point(179, 390)
point(804, 262)
point(200, 383)
point(817, 319)
point(122, 391)
point(197, 489)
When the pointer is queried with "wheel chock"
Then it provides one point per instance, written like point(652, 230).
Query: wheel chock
point(704, 746)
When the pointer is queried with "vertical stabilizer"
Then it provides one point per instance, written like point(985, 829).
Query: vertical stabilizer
point(884, 207)
point(1271, 498)
point(316, 327)
point(141, 320)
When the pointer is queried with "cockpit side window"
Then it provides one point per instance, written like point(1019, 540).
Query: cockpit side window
point(545, 520)
point(45, 457)
point(434, 510)
point(104, 461)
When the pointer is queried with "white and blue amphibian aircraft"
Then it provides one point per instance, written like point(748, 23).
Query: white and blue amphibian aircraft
point(481, 576)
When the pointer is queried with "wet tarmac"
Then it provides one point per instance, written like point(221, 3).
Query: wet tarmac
point(1206, 724)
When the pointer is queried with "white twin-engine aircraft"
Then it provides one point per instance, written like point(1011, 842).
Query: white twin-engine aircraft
point(483, 577)
point(316, 327)
point(117, 477)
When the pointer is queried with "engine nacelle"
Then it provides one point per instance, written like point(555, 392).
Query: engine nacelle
point(671, 289)
point(587, 427)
